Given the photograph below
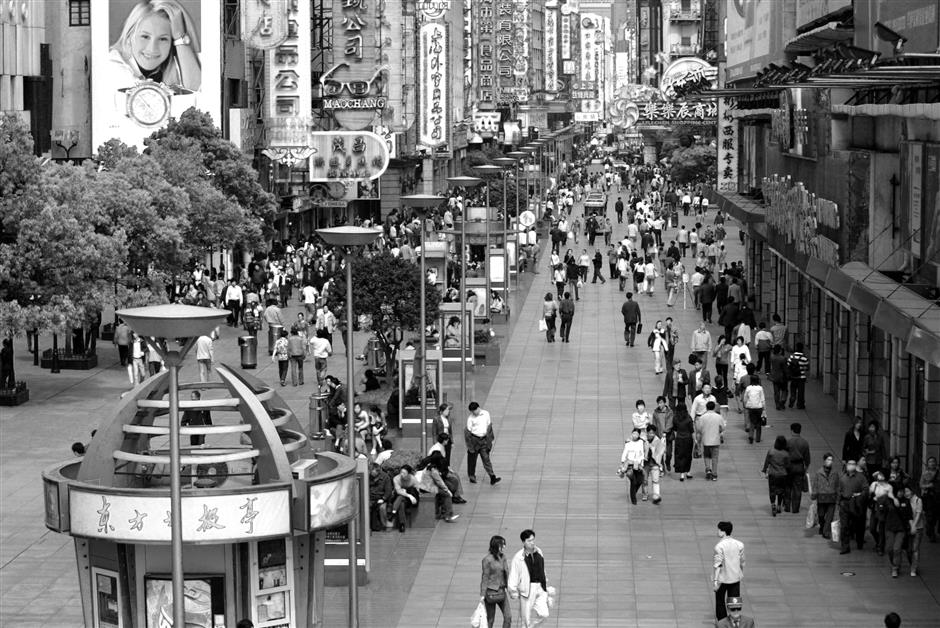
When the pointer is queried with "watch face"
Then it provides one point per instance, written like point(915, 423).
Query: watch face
point(148, 105)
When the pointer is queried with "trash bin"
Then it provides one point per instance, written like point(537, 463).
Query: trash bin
point(249, 351)
point(375, 357)
point(274, 332)
point(319, 416)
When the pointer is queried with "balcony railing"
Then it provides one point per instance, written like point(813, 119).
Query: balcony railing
point(678, 14)
point(680, 50)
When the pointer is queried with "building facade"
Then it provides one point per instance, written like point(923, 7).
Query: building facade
point(832, 161)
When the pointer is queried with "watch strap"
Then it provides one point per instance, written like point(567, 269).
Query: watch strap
point(182, 41)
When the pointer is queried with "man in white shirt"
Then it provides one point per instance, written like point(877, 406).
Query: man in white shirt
point(321, 349)
point(234, 299)
point(204, 355)
point(310, 298)
point(479, 438)
point(700, 402)
point(682, 239)
point(702, 343)
point(729, 568)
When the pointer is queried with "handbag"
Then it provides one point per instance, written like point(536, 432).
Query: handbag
point(543, 326)
point(495, 596)
point(836, 531)
point(697, 450)
point(812, 515)
point(763, 419)
point(540, 607)
point(639, 328)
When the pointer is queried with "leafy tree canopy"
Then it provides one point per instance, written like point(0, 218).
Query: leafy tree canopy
point(386, 291)
point(695, 164)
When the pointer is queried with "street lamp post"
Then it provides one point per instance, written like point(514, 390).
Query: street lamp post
point(349, 237)
point(506, 163)
point(485, 171)
point(467, 182)
point(174, 321)
point(422, 203)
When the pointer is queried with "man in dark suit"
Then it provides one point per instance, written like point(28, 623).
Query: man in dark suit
point(799, 463)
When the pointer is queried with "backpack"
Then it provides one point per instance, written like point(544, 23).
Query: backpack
point(793, 367)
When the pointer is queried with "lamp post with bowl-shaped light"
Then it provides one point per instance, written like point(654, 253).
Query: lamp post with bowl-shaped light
point(518, 155)
point(467, 182)
point(422, 203)
point(349, 237)
point(169, 322)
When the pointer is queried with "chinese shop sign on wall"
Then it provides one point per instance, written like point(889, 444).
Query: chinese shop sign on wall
point(589, 28)
point(265, 23)
point(484, 27)
point(343, 156)
point(666, 112)
point(433, 119)
point(727, 148)
point(798, 214)
point(288, 93)
point(208, 518)
point(505, 50)
point(353, 89)
point(551, 48)
point(566, 37)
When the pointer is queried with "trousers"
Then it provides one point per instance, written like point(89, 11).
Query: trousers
point(725, 590)
point(484, 455)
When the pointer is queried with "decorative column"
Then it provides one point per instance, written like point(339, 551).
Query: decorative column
point(931, 412)
point(860, 370)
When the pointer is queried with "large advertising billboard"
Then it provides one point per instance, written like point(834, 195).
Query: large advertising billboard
point(757, 33)
point(152, 60)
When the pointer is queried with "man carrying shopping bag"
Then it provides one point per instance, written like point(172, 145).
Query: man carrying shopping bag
point(527, 580)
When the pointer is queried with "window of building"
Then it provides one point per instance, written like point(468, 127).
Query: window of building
point(686, 6)
point(79, 12)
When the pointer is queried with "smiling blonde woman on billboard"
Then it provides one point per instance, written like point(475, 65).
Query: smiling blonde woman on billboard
point(158, 42)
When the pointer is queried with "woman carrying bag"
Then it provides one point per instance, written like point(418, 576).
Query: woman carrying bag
point(493, 583)
point(549, 315)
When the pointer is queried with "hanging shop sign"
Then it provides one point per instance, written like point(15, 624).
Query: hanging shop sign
point(585, 116)
point(683, 75)
point(589, 27)
point(289, 86)
point(343, 156)
point(484, 26)
point(551, 47)
point(359, 71)
point(139, 518)
point(433, 115)
point(565, 35)
point(433, 9)
point(727, 148)
point(265, 23)
point(505, 61)
point(486, 122)
point(666, 112)
point(796, 213)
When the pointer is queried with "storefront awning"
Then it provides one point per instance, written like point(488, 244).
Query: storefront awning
point(820, 37)
point(895, 308)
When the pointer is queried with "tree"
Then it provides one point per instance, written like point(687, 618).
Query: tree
point(19, 168)
point(385, 295)
point(695, 164)
point(225, 166)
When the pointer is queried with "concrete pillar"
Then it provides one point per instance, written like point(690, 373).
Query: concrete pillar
point(860, 370)
point(828, 344)
point(931, 444)
point(902, 395)
point(767, 283)
point(843, 317)
point(792, 305)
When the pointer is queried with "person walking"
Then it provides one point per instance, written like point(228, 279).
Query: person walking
point(527, 582)
point(493, 581)
point(442, 425)
point(763, 343)
point(701, 344)
point(558, 275)
point(281, 354)
point(598, 262)
point(709, 429)
point(479, 438)
point(675, 388)
point(196, 417)
point(683, 429)
point(897, 525)
point(930, 494)
point(722, 355)
point(657, 343)
point(916, 534)
point(853, 498)
point(754, 405)
point(728, 568)
point(799, 463)
point(632, 318)
point(655, 460)
point(825, 492)
point(706, 297)
point(549, 315)
point(778, 377)
point(122, 339)
point(775, 470)
point(797, 370)
point(296, 351)
point(631, 462)
point(320, 349)
point(663, 417)
point(566, 310)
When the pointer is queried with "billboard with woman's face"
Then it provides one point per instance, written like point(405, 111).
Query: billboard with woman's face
point(152, 60)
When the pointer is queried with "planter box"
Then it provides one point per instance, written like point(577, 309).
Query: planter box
point(69, 362)
point(107, 332)
point(14, 398)
point(488, 353)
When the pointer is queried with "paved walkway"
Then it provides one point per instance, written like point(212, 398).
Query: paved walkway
point(561, 412)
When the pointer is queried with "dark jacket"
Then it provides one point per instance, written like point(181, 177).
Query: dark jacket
point(825, 488)
point(566, 308)
point(852, 446)
point(730, 315)
point(799, 454)
point(681, 387)
point(380, 486)
point(778, 368)
point(706, 292)
point(630, 311)
point(775, 463)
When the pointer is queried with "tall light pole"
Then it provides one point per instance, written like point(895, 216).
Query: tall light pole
point(422, 203)
point(349, 237)
point(518, 155)
point(506, 163)
point(467, 182)
point(168, 322)
point(486, 171)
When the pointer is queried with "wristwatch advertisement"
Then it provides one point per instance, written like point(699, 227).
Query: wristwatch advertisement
point(149, 103)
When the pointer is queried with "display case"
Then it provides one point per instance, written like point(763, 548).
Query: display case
point(271, 587)
point(409, 404)
point(107, 610)
point(450, 342)
point(435, 263)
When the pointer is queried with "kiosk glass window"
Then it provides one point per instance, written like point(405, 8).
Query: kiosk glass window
point(204, 601)
point(272, 584)
point(107, 603)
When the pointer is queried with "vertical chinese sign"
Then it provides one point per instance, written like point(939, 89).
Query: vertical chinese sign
point(505, 30)
point(727, 148)
point(433, 119)
point(551, 49)
point(520, 69)
point(588, 44)
point(355, 85)
point(484, 25)
point(288, 93)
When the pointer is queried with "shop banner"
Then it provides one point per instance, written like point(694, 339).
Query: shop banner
point(433, 121)
point(727, 148)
